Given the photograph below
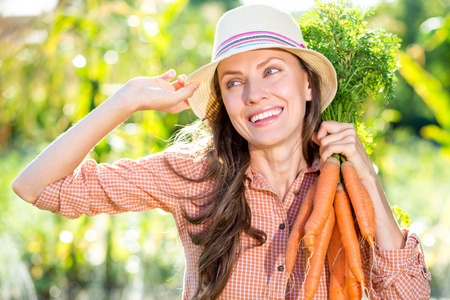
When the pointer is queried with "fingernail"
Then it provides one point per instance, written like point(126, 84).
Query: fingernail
point(196, 85)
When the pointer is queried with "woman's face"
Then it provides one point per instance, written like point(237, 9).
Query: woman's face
point(265, 93)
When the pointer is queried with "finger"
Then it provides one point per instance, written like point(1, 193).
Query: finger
point(181, 80)
point(185, 93)
point(328, 127)
point(315, 139)
point(348, 135)
point(169, 75)
point(179, 107)
point(353, 151)
point(340, 147)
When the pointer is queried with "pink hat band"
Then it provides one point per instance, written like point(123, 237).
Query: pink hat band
point(253, 38)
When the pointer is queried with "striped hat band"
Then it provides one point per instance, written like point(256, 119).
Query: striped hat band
point(250, 39)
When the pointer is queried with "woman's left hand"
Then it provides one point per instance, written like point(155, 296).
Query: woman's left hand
point(336, 137)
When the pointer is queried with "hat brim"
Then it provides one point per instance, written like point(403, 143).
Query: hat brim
point(203, 98)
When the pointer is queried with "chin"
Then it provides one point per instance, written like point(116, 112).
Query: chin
point(265, 143)
point(271, 141)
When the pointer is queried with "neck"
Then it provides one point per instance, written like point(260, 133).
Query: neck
point(279, 166)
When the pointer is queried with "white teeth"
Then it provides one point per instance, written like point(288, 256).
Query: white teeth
point(265, 114)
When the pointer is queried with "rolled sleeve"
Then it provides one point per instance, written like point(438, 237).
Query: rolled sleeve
point(96, 188)
point(127, 185)
point(48, 200)
point(399, 274)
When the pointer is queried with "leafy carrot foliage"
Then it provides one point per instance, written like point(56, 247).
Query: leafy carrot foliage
point(364, 58)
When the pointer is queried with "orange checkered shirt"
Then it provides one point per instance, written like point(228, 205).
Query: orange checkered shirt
point(147, 183)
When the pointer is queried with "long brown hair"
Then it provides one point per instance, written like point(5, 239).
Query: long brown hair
point(227, 212)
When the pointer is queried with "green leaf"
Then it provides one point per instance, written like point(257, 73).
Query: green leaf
point(436, 133)
point(428, 87)
point(401, 216)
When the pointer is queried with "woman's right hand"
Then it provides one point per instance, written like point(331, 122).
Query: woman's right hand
point(156, 93)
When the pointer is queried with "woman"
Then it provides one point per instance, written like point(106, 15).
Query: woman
point(235, 187)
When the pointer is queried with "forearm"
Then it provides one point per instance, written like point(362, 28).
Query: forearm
point(387, 231)
point(64, 155)
point(68, 151)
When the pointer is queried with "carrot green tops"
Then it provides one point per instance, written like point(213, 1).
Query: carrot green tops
point(260, 273)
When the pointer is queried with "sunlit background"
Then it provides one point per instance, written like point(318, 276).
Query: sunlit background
point(36, 7)
point(60, 59)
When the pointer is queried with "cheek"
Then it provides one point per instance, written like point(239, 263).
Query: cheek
point(290, 89)
point(232, 103)
point(227, 103)
point(232, 110)
point(283, 88)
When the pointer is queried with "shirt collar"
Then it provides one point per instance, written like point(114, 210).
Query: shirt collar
point(250, 173)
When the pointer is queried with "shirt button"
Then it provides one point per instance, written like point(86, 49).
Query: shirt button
point(296, 192)
point(281, 268)
point(282, 226)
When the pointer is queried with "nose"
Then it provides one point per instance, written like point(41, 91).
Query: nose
point(255, 91)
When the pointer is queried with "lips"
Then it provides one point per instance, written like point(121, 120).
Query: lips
point(265, 115)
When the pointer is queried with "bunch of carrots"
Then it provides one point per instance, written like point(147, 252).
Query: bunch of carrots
point(326, 225)
point(338, 209)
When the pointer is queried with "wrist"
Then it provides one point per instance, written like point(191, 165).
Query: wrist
point(387, 231)
point(121, 101)
point(372, 183)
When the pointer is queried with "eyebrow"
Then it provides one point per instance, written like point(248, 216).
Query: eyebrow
point(258, 66)
point(262, 64)
point(230, 73)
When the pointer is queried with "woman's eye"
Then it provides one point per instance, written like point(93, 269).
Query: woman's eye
point(230, 84)
point(271, 71)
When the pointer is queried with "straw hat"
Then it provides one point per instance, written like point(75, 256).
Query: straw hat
point(253, 27)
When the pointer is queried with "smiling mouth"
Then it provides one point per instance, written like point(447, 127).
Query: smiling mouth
point(266, 114)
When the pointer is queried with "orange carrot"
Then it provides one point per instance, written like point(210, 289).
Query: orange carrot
point(353, 186)
point(337, 265)
point(316, 262)
point(323, 201)
point(344, 219)
point(369, 206)
point(298, 228)
point(309, 241)
point(354, 289)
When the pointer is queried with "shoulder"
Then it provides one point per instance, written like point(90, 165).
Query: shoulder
point(186, 160)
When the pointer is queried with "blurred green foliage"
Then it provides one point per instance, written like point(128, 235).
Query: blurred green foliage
point(56, 67)
point(110, 42)
point(415, 173)
point(423, 29)
point(54, 70)
point(434, 95)
point(411, 132)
